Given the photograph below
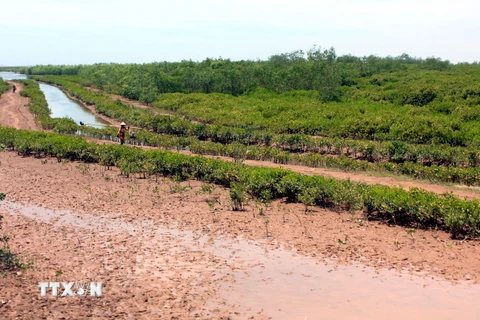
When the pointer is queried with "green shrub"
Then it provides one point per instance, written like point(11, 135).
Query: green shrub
point(238, 196)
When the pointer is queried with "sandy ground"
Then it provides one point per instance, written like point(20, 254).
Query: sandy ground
point(14, 112)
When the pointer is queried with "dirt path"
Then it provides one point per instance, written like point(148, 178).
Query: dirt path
point(118, 97)
point(457, 190)
point(13, 110)
point(163, 253)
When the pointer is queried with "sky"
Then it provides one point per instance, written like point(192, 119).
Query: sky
point(141, 31)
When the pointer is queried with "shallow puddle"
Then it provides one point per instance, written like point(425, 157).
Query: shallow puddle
point(280, 283)
point(295, 287)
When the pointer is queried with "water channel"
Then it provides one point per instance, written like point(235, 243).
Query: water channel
point(60, 104)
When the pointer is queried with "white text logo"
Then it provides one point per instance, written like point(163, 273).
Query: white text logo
point(71, 289)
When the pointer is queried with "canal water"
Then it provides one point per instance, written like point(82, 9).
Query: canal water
point(12, 76)
point(60, 104)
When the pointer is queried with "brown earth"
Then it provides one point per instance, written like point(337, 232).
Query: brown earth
point(90, 188)
point(134, 236)
point(14, 112)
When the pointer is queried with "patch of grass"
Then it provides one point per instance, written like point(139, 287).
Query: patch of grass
point(83, 167)
point(238, 196)
point(344, 241)
point(206, 188)
point(8, 260)
point(178, 188)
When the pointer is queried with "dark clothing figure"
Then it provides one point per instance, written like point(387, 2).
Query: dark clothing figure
point(132, 135)
point(14, 88)
point(121, 132)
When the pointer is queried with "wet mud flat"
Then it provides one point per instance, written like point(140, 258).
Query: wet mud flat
point(162, 252)
point(257, 278)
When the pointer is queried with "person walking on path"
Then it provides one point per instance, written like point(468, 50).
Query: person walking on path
point(14, 88)
point(121, 132)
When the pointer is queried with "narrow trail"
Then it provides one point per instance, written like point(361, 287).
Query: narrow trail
point(14, 112)
point(458, 190)
point(117, 97)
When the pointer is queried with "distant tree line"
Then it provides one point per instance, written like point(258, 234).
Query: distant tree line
point(317, 69)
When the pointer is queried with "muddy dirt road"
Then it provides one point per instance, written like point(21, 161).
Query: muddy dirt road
point(14, 112)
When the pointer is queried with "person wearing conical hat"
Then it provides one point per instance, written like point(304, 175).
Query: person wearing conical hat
point(121, 132)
